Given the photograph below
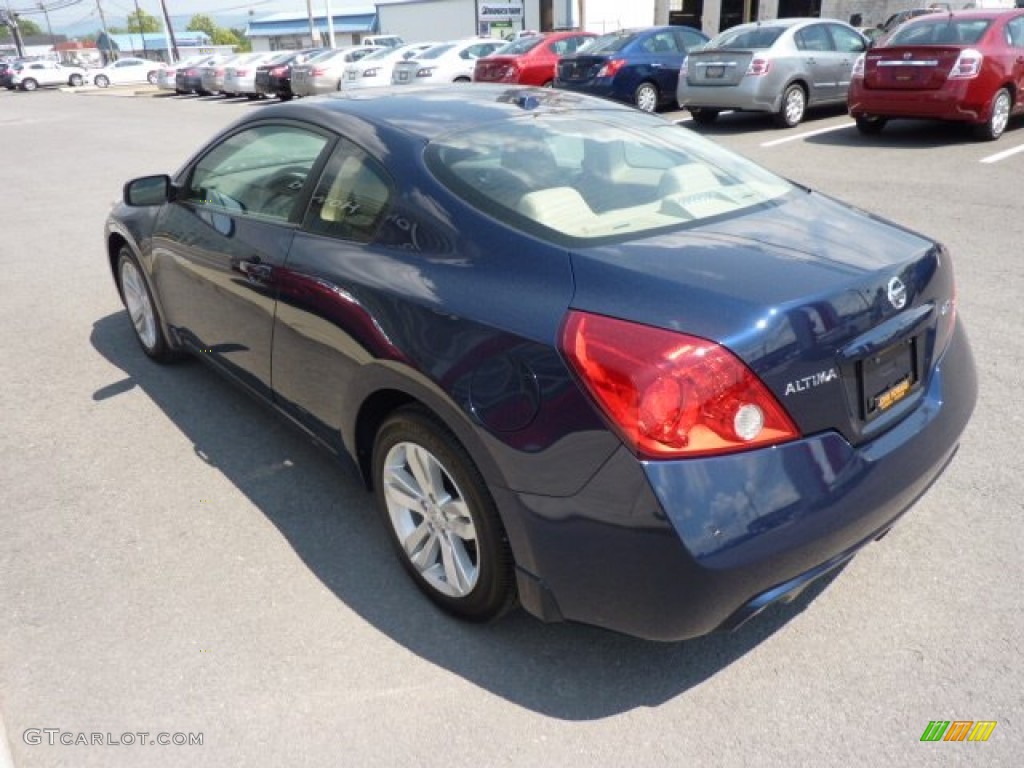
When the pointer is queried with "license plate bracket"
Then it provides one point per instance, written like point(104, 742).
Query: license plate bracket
point(888, 377)
point(715, 72)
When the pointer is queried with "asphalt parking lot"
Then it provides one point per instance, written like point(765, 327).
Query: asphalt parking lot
point(174, 559)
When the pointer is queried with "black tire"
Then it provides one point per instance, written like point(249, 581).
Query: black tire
point(549, 84)
point(463, 80)
point(999, 117)
point(793, 107)
point(285, 96)
point(29, 85)
point(132, 283)
point(252, 96)
point(492, 590)
point(151, 78)
point(870, 125)
point(75, 80)
point(646, 97)
point(703, 115)
point(101, 81)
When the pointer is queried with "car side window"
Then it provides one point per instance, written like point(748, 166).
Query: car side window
point(661, 42)
point(259, 171)
point(846, 40)
point(1015, 32)
point(687, 39)
point(814, 38)
point(351, 198)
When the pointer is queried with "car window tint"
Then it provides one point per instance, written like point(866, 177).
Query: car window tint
point(687, 38)
point(813, 38)
point(1015, 32)
point(750, 39)
point(941, 30)
point(846, 40)
point(259, 171)
point(351, 197)
point(564, 176)
point(661, 42)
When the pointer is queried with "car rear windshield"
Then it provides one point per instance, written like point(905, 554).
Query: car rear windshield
point(597, 177)
point(941, 30)
point(522, 45)
point(612, 43)
point(757, 38)
point(436, 52)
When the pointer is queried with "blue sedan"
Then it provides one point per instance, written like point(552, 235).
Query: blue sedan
point(588, 361)
point(635, 66)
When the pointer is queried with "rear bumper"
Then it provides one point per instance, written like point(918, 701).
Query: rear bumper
point(755, 94)
point(954, 101)
point(672, 550)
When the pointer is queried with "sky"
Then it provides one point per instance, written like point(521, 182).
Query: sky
point(83, 17)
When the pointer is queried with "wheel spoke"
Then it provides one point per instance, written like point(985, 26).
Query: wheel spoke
point(425, 469)
point(426, 556)
point(416, 541)
point(459, 521)
point(401, 489)
point(458, 569)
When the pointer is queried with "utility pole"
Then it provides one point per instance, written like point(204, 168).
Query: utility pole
point(330, 24)
point(314, 33)
point(10, 19)
point(106, 35)
point(170, 32)
point(49, 29)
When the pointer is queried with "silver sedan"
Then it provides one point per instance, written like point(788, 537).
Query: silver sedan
point(781, 67)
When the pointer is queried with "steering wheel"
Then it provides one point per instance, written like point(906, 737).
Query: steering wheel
point(282, 189)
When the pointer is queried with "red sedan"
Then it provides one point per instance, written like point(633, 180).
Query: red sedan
point(529, 60)
point(964, 65)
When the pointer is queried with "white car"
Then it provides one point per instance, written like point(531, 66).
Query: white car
point(29, 75)
point(375, 70)
point(446, 63)
point(126, 71)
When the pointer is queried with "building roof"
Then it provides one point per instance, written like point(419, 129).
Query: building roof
point(281, 24)
point(152, 41)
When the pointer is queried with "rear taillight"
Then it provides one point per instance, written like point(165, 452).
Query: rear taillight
point(611, 67)
point(671, 395)
point(193, 73)
point(279, 71)
point(318, 72)
point(241, 73)
point(968, 65)
point(758, 67)
point(510, 73)
point(858, 67)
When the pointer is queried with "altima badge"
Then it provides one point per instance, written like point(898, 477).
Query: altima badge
point(897, 293)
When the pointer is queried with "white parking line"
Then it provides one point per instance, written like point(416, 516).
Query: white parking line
point(1002, 155)
point(805, 134)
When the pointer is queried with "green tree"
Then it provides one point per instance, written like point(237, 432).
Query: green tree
point(223, 36)
point(202, 23)
point(244, 43)
point(27, 27)
point(140, 21)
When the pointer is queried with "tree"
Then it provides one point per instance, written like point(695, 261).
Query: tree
point(202, 23)
point(223, 36)
point(140, 21)
point(26, 26)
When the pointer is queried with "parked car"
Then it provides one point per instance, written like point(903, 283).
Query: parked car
point(781, 67)
point(29, 75)
point(323, 73)
point(530, 60)
point(166, 77)
point(374, 70)
point(384, 41)
point(966, 66)
point(125, 71)
point(189, 79)
point(657, 409)
point(635, 66)
point(905, 15)
point(211, 74)
point(6, 70)
point(240, 78)
point(275, 77)
point(450, 62)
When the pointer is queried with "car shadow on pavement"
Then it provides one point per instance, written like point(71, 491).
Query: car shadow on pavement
point(320, 506)
point(904, 135)
point(731, 123)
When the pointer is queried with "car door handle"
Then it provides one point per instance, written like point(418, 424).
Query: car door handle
point(255, 271)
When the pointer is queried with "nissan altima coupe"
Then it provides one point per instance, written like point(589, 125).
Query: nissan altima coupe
point(586, 360)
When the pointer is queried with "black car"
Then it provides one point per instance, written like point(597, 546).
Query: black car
point(275, 77)
point(190, 79)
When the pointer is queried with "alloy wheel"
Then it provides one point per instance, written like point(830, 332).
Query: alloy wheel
point(137, 301)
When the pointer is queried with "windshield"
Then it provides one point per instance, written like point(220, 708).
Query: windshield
point(747, 38)
point(597, 177)
point(942, 30)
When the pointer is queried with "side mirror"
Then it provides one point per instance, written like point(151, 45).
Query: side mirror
point(149, 190)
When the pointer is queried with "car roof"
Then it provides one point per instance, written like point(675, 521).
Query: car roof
point(426, 112)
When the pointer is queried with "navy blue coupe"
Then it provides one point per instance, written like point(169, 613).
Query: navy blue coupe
point(588, 361)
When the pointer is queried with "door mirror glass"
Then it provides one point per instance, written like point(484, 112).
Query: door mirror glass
point(149, 190)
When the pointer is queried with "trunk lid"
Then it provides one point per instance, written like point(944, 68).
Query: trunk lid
point(580, 68)
point(837, 312)
point(493, 67)
point(717, 67)
point(910, 67)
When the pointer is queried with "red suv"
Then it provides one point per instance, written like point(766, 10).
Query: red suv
point(529, 60)
point(965, 65)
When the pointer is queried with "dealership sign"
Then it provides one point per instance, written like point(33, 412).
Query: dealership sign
point(501, 12)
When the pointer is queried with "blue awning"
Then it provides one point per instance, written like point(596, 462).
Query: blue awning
point(364, 23)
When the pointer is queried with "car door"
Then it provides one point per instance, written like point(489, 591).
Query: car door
point(849, 46)
point(325, 327)
point(217, 247)
point(820, 62)
point(1015, 40)
point(128, 71)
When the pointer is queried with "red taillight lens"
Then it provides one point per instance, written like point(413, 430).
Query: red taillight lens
point(193, 73)
point(968, 65)
point(279, 71)
point(758, 67)
point(318, 72)
point(671, 395)
point(610, 68)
